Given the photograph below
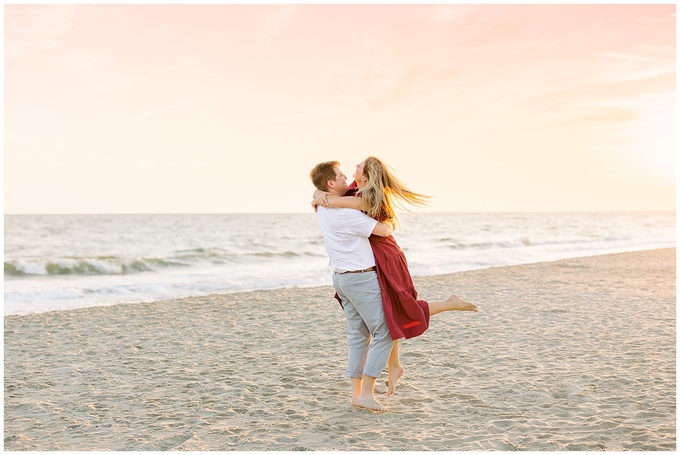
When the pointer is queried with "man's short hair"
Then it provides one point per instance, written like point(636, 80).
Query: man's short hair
point(322, 173)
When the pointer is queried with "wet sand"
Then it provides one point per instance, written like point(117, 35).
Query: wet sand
point(571, 355)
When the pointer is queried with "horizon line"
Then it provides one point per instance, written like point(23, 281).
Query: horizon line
point(306, 213)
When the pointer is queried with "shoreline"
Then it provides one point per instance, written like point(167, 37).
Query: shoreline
point(293, 287)
point(576, 354)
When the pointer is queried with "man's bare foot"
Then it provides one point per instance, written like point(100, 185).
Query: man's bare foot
point(392, 378)
point(456, 303)
point(370, 403)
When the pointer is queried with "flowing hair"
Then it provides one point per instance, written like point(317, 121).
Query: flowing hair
point(383, 191)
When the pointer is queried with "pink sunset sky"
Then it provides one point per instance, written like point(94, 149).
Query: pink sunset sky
point(226, 108)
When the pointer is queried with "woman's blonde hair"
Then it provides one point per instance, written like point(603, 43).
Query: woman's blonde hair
point(383, 190)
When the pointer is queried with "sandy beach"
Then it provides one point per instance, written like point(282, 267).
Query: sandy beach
point(577, 354)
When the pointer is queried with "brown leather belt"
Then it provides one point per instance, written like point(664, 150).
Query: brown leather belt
point(370, 269)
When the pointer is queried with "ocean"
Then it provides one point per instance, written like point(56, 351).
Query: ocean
point(62, 262)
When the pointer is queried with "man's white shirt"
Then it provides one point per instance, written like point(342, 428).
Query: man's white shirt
point(345, 236)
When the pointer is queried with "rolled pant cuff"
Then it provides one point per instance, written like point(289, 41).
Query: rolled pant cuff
point(354, 374)
point(374, 373)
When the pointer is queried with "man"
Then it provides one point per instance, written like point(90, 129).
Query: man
point(345, 234)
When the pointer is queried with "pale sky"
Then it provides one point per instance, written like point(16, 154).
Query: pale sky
point(226, 108)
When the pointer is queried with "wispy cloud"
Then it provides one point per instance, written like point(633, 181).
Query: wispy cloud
point(646, 20)
point(619, 56)
point(141, 117)
point(120, 84)
point(35, 27)
point(641, 74)
point(272, 22)
point(445, 14)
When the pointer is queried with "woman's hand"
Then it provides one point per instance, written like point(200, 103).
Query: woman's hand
point(321, 198)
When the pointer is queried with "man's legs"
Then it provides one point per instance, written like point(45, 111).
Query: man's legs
point(358, 335)
point(363, 296)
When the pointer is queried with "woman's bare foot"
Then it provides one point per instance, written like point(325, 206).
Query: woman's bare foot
point(456, 303)
point(392, 378)
point(370, 403)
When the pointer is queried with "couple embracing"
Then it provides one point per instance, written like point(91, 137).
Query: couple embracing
point(370, 273)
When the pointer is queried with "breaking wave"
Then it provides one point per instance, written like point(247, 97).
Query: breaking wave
point(111, 265)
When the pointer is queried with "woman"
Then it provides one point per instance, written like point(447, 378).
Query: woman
point(407, 317)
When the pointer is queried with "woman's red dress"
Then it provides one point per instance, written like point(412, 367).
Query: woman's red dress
point(406, 316)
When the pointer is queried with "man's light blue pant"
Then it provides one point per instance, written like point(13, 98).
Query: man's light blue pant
point(369, 338)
